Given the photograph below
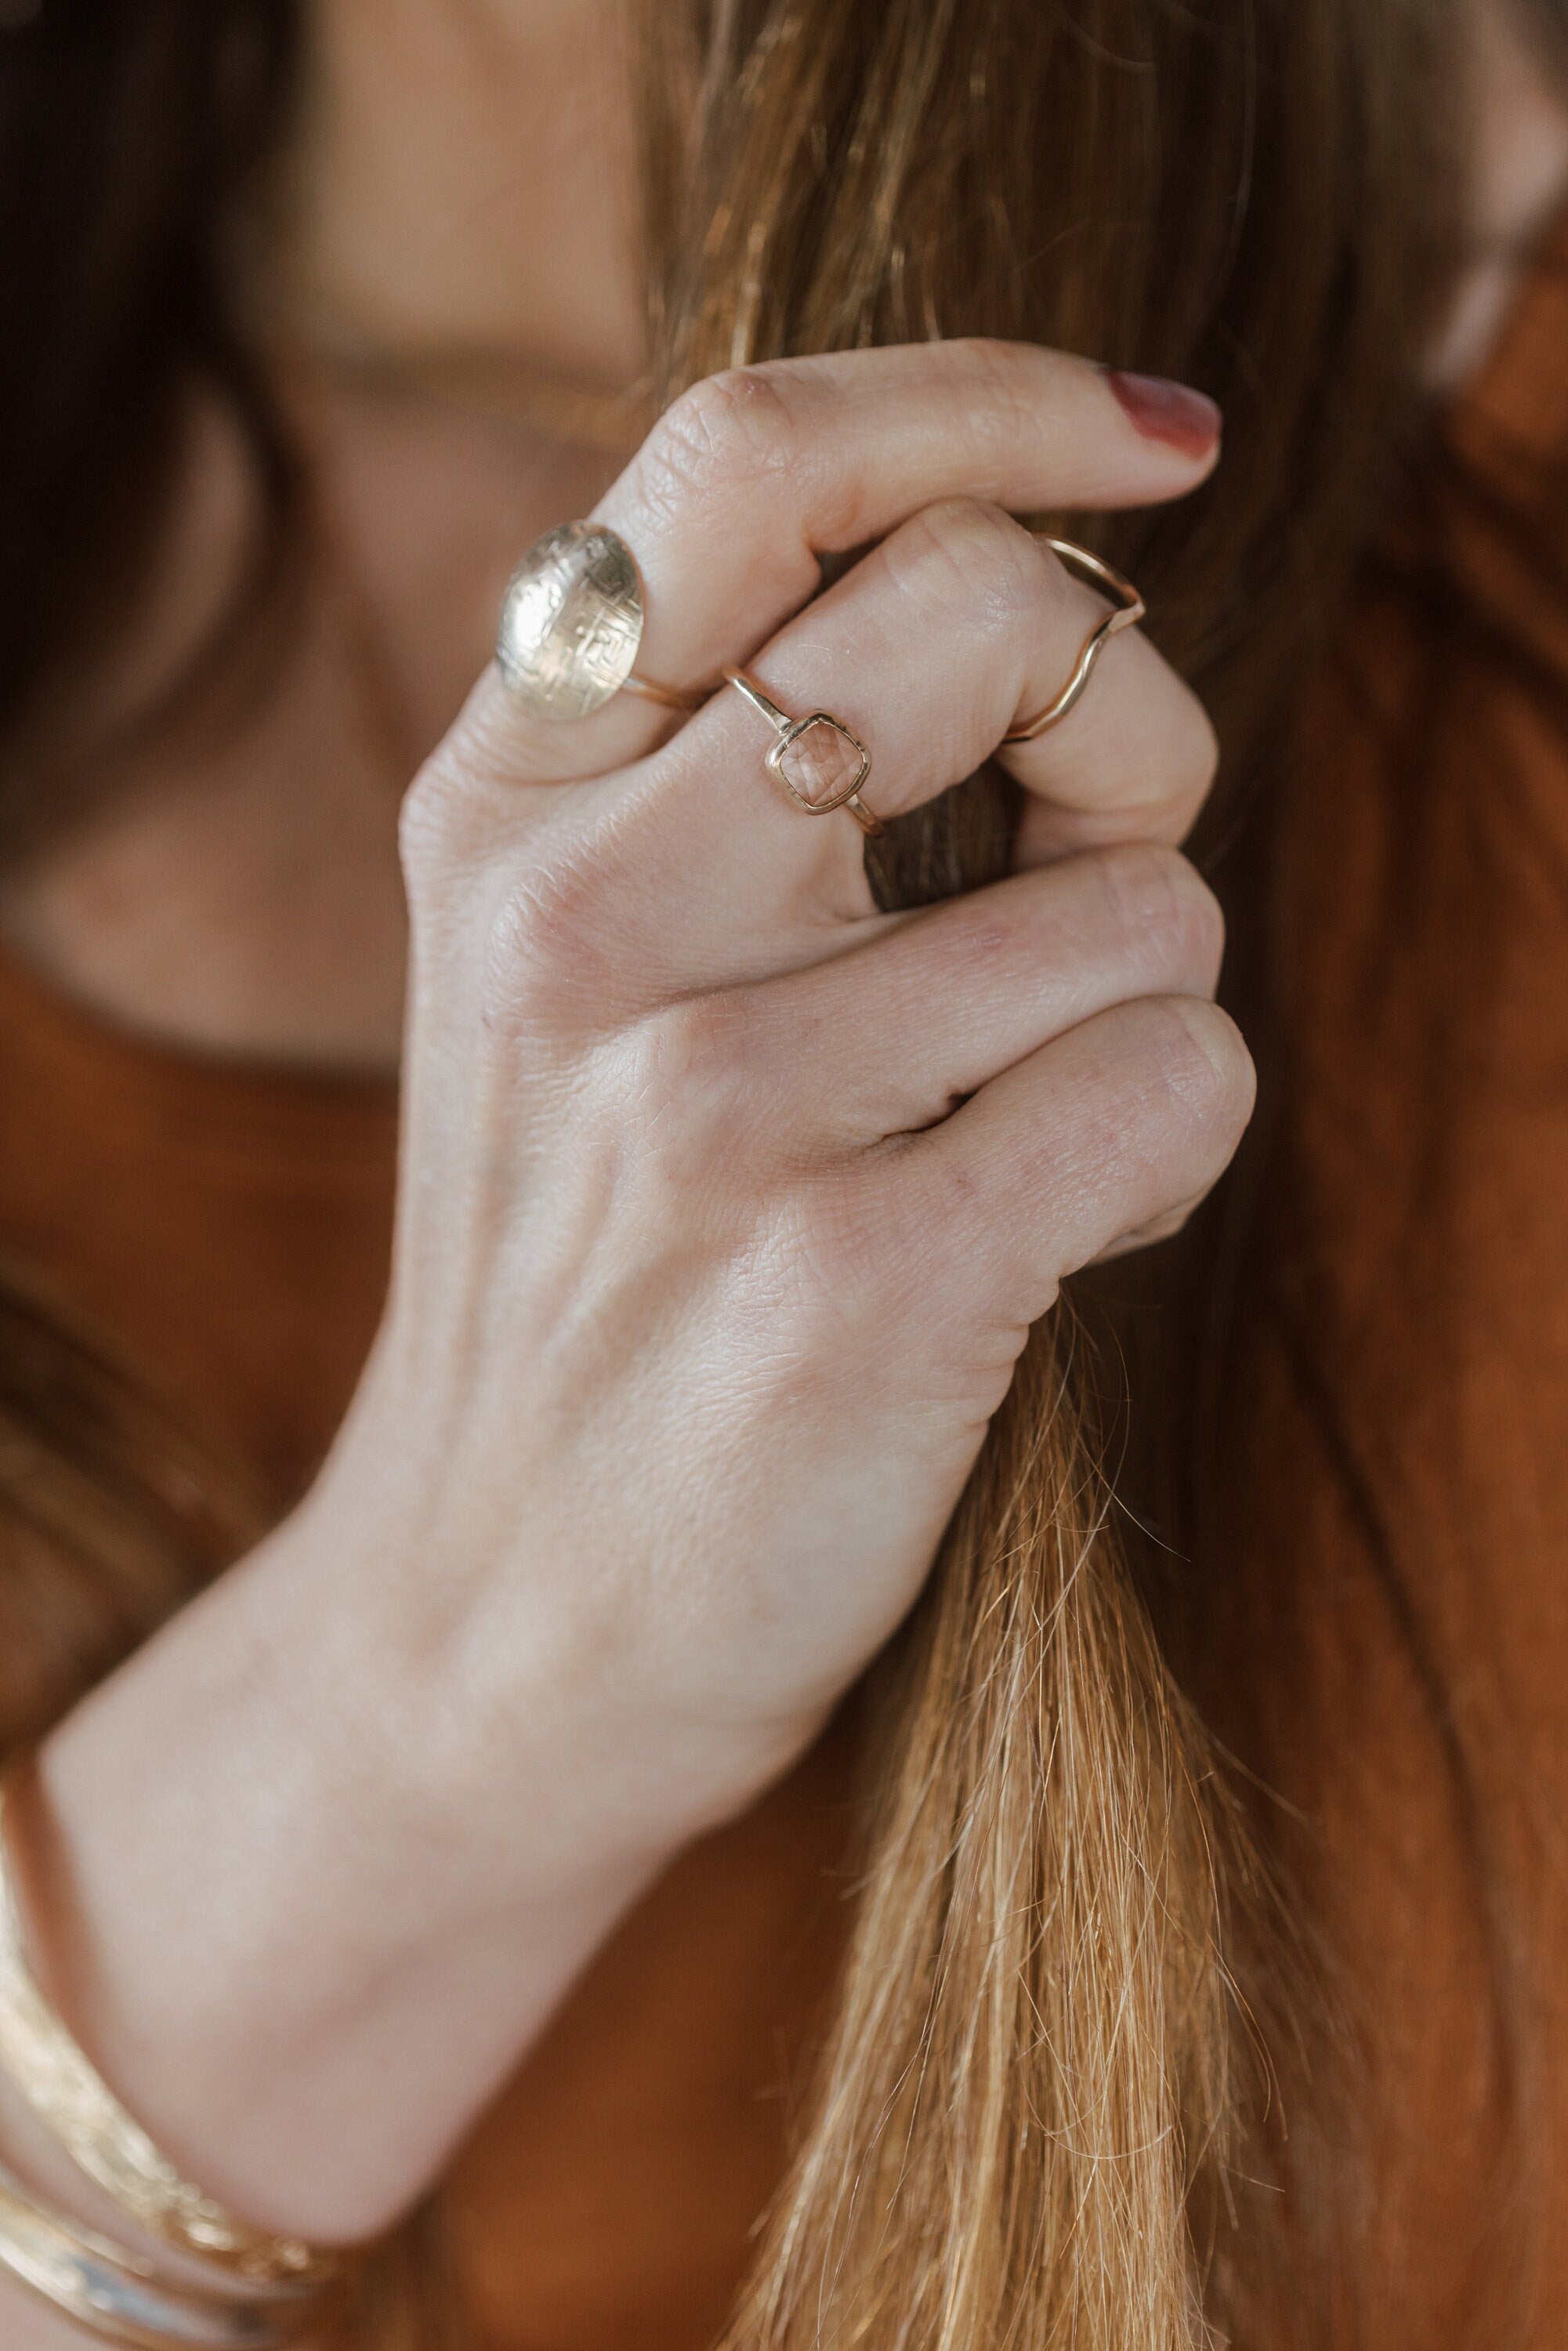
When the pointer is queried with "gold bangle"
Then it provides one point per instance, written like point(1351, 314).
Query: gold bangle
point(119, 2297)
point(72, 2100)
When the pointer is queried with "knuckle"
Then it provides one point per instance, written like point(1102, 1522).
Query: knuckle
point(1203, 1067)
point(552, 928)
point(1155, 1113)
point(957, 1200)
point(438, 822)
point(694, 1054)
point(880, 1255)
point(832, 1253)
point(697, 1049)
point(949, 1196)
point(728, 435)
point(469, 795)
point(683, 1075)
point(1160, 904)
point(961, 552)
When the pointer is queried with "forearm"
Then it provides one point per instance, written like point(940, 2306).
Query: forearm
point(301, 1942)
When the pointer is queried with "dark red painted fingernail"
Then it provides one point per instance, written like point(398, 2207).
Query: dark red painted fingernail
point(1163, 411)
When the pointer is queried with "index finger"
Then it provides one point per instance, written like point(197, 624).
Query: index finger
point(752, 477)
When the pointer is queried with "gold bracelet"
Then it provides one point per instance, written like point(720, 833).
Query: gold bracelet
point(117, 2295)
point(72, 2100)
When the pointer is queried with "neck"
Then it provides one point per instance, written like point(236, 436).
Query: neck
point(466, 175)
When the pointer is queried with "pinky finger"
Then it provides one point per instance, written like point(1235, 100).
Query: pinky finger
point(1104, 1137)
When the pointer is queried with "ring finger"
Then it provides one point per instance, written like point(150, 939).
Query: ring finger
point(751, 477)
point(933, 1006)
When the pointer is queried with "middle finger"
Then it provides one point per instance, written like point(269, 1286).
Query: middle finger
point(928, 650)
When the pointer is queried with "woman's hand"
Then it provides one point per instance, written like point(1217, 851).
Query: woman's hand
point(729, 1201)
point(726, 1204)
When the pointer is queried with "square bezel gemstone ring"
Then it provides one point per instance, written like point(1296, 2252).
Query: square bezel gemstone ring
point(820, 763)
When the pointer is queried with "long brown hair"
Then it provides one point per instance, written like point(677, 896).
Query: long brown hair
point(1023, 2131)
point(1020, 2129)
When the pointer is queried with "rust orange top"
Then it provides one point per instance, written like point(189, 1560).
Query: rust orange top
point(233, 1226)
point(1401, 1488)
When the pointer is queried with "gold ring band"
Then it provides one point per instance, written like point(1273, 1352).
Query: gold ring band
point(815, 751)
point(670, 696)
point(1130, 611)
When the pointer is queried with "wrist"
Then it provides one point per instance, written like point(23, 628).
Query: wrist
point(300, 1941)
point(530, 1668)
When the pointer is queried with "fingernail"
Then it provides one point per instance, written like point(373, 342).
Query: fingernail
point(1163, 411)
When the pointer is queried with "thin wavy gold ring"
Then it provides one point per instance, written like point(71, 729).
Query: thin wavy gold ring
point(1130, 610)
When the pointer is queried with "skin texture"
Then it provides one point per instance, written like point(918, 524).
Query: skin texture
point(661, 1432)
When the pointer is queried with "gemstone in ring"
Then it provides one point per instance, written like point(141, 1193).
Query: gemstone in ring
point(570, 623)
point(818, 762)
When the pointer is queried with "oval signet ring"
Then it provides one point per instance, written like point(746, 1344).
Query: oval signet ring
point(570, 623)
point(818, 762)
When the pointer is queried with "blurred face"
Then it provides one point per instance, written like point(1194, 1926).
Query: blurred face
point(468, 171)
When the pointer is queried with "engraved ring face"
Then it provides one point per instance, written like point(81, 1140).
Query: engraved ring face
point(571, 621)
